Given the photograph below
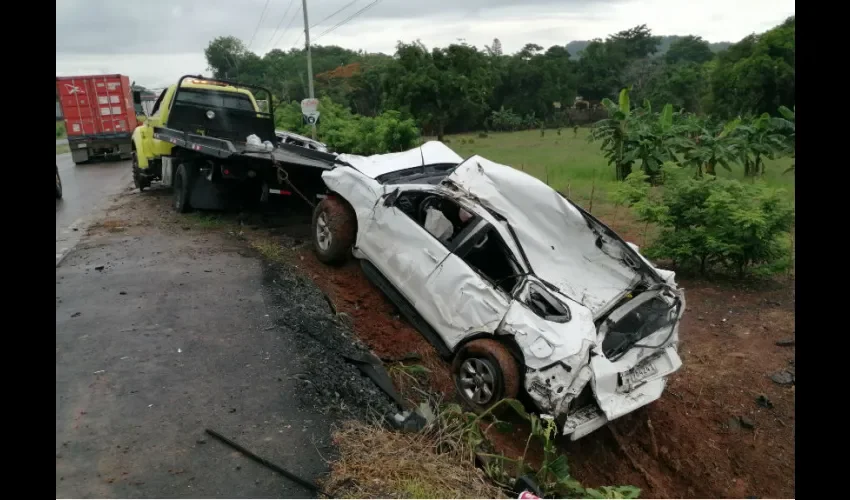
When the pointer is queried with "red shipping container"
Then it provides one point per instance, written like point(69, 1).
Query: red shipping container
point(96, 105)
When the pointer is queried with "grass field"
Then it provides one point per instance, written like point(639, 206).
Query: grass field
point(571, 163)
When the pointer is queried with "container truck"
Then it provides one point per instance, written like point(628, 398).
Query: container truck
point(99, 115)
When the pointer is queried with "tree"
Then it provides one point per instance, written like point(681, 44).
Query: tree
point(757, 74)
point(636, 43)
point(494, 50)
point(223, 55)
point(692, 49)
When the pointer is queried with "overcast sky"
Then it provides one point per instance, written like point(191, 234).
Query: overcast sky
point(157, 41)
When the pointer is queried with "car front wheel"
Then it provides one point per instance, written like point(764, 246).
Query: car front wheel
point(485, 372)
point(334, 230)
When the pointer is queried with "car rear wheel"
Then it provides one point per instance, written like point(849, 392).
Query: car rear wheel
point(334, 230)
point(485, 372)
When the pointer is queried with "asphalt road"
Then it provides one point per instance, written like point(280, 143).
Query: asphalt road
point(59, 142)
point(86, 189)
point(161, 332)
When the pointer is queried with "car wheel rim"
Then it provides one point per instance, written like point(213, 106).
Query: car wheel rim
point(323, 232)
point(477, 380)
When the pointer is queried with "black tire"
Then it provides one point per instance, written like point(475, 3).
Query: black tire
point(485, 363)
point(138, 180)
point(182, 188)
point(58, 184)
point(334, 230)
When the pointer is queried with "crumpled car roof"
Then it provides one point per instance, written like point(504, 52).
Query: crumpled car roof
point(556, 238)
point(430, 153)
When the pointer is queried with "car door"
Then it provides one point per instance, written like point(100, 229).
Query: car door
point(464, 299)
point(404, 252)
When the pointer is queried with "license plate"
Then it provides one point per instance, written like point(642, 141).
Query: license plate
point(638, 373)
point(81, 146)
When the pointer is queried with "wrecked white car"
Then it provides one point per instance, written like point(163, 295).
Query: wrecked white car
point(524, 290)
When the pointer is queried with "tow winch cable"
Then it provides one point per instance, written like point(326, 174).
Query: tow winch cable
point(280, 470)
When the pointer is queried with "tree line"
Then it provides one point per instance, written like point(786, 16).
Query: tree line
point(460, 87)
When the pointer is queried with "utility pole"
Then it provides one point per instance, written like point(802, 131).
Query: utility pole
point(309, 57)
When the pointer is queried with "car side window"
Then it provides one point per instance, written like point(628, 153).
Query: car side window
point(484, 251)
point(544, 304)
point(442, 217)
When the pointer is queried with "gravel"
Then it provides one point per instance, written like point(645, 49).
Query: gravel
point(328, 383)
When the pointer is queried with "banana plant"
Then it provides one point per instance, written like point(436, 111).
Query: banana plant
point(786, 124)
point(710, 144)
point(652, 139)
point(613, 133)
point(758, 139)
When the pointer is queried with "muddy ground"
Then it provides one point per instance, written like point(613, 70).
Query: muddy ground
point(722, 429)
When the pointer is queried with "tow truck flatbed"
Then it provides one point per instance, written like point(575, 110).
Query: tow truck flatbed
point(225, 149)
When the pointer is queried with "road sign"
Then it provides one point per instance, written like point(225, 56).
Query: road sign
point(309, 108)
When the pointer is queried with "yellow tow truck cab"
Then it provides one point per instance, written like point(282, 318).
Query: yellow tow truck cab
point(146, 148)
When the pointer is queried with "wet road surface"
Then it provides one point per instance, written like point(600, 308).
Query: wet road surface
point(85, 190)
point(162, 332)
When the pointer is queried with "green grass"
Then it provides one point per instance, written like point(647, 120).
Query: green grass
point(571, 163)
point(61, 133)
point(62, 148)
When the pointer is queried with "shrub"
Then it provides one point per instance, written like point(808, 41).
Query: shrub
point(345, 132)
point(711, 222)
point(504, 120)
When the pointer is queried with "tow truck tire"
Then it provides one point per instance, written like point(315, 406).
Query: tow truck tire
point(485, 363)
point(139, 181)
point(182, 187)
point(334, 230)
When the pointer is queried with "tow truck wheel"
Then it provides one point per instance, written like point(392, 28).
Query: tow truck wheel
point(485, 372)
point(182, 186)
point(140, 182)
point(334, 230)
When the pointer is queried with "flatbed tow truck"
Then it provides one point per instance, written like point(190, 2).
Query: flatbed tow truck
point(208, 140)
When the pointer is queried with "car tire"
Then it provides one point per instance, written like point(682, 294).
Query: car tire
point(182, 188)
point(334, 230)
point(58, 185)
point(485, 363)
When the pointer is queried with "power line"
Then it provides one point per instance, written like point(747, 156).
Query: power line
point(297, 39)
point(294, 17)
point(262, 15)
point(282, 18)
point(349, 18)
point(335, 13)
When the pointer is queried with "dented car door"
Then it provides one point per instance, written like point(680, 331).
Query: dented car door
point(400, 248)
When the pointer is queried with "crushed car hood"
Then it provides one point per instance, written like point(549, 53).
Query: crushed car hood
point(584, 260)
point(430, 153)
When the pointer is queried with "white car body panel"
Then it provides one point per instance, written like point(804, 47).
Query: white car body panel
point(560, 246)
point(561, 359)
point(430, 153)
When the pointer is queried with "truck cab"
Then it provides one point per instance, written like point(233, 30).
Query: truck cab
point(207, 108)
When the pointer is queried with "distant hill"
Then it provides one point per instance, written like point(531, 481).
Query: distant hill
point(577, 46)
